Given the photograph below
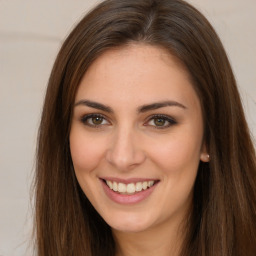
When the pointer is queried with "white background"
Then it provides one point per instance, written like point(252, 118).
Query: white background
point(31, 32)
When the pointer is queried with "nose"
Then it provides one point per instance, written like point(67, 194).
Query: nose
point(125, 151)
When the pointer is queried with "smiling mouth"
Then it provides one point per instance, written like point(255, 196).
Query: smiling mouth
point(130, 188)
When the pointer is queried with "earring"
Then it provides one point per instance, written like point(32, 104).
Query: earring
point(205, 158)
point(208, 158)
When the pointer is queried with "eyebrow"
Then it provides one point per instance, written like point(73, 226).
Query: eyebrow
point(93, 104)
point(161, 104)
point(142, 109)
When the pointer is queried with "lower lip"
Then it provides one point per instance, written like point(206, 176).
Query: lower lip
point(128, 199)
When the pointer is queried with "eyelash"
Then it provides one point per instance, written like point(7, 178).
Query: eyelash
point(85, 120)
point(165, 118)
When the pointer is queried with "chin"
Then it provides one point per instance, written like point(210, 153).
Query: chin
point(129, 223)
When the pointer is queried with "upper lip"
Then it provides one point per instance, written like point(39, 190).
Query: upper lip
point(127, 181)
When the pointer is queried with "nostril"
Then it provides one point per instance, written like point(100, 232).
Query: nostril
point(125, 160)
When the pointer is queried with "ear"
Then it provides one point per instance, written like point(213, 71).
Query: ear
point(204, 155)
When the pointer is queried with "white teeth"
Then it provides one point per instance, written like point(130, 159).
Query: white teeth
point(150, 183)
point(121, 188)
point(144, 185)
point(129, 188)
point(115, 186)
point(138, 186)
point(109, 183)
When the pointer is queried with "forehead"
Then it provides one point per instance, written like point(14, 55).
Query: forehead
point(135, 71)
point(131, 56)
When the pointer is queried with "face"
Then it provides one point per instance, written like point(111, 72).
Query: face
point(136, 138)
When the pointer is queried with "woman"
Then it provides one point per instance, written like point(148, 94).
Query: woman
point(143, 146)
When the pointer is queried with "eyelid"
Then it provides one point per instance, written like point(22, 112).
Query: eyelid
point(171, 121)
point(167, 118)
point(86, 117)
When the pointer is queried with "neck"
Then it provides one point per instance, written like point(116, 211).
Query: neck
point(161, 240)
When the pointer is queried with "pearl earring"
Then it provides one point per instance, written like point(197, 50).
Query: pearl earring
point(205, 157)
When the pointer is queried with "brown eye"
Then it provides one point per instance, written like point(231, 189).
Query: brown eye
point(159, 121)
point(94, 120)
point(97, 120)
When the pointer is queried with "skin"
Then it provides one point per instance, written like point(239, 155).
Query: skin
point(130, 143)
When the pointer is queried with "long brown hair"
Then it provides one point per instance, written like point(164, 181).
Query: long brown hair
point(223, 220)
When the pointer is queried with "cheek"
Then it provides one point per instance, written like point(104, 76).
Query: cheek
point(178, 154)
point(178, 161)
point(86, 151)
point(175, 153)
